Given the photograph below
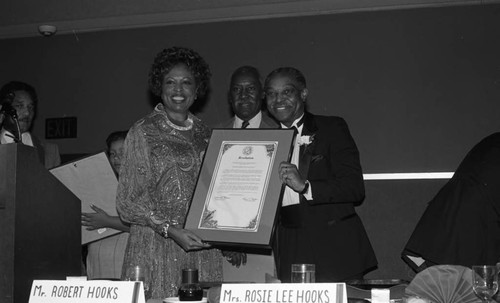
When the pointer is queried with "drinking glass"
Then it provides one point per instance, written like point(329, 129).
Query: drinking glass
point(303, 273)
point(138, 273)
point(485, 281)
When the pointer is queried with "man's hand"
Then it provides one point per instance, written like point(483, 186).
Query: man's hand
point(235, 258)
point(289, 175)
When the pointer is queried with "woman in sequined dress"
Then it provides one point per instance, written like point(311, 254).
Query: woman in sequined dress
point(162, 159)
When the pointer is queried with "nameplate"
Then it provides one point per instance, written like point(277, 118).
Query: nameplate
point(61, 291)
point(284, 293)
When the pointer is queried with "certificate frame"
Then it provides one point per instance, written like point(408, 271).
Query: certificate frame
point(221, 173)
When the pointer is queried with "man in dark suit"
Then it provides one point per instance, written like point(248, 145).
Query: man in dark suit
point(22, 97)
point(245, 96)
point(324, 181)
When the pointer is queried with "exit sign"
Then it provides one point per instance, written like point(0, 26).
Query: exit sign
point(59, 128)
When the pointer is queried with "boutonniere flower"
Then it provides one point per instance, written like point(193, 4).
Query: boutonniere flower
point(305, 140)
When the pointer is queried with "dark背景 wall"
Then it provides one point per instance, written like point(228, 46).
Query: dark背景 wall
point(417, 87)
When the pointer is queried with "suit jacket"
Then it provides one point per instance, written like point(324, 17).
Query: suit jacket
point(326, 230)
point(460, 224)
point(48, 153)
point(266, 122)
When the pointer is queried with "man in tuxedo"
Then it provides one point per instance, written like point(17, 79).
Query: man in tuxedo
point(245, 96)
point(324, 181)
point(23, 99)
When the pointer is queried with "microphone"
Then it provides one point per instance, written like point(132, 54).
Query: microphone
point(7, 108)
point(10, 112)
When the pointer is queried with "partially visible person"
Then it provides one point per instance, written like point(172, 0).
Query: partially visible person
point(318, 223)
point(245, 96)
point(23, 98)
point(162, 158)
point(461, 224)
point(105, 256)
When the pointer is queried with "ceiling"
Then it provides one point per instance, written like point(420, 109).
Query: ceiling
point(21, 18)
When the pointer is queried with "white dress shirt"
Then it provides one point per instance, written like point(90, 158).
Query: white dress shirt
point(290, 196)
point(253, 123)
point(7, 137)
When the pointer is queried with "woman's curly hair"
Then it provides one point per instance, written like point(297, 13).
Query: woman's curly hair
point(170, 57)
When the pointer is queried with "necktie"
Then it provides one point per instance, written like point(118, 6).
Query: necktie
point(245, 124)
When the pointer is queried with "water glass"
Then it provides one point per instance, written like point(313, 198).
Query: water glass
point(303, 273)
point(485, 281)
point(138, 273)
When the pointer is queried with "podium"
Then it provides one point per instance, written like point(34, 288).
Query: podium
point(40, 229)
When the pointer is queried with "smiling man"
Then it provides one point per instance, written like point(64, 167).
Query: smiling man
point(22, 97)
point(324, 181)
point(245, 96)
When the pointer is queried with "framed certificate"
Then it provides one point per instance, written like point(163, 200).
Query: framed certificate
point(238, 189)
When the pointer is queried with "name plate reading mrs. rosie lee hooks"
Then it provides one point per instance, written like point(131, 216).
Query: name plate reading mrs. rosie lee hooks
point(284, 293)
point(62, 291)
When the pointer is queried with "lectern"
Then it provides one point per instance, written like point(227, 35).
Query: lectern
point(40, 229)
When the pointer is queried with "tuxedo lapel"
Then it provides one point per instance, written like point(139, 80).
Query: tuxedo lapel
point(305, 153)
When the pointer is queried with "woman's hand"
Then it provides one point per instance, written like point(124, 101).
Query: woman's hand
point(99, 219)
point(236, 258)
point(186, 239)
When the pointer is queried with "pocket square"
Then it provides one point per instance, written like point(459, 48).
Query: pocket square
point(316, 158)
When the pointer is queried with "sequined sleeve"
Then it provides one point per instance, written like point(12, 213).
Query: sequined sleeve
point(133, 201)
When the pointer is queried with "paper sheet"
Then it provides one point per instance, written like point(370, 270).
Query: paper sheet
point(93, 181)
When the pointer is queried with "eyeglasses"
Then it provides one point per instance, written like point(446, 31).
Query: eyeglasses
point(286, 93)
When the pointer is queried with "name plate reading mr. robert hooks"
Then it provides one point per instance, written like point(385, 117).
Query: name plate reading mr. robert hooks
point(61, 291)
